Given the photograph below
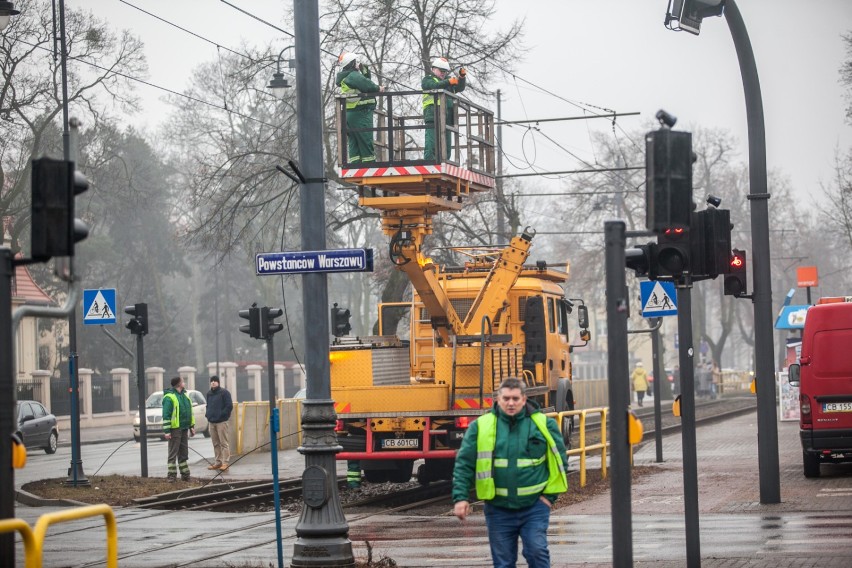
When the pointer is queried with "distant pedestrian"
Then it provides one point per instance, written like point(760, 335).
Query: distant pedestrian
point(515, 458)
point(640, 382)
point(178, 427)
point(219, 408)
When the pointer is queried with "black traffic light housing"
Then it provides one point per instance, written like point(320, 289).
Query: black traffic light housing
point(736, 282)
point(267, 321)
point(340, 321)
point(642, 259)
point(673, 253)
point(253, 327)
point(710, 243)
point(668, 177)
point(54, 229)
point(139, 324)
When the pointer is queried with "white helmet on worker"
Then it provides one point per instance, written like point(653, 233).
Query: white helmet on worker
point(441, 63)
point(346, 58)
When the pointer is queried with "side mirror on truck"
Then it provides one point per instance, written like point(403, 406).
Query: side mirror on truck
point(794, 374)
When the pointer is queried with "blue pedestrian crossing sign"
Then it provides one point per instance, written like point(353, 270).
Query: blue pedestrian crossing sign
point(659, 298)
point(99, 306)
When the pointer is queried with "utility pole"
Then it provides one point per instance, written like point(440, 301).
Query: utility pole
point(501, 218)
point(322, 533)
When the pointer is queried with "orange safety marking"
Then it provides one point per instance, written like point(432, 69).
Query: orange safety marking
point(342, 407)
point(471, 403)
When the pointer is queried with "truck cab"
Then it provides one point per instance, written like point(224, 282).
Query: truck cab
point(824, 377)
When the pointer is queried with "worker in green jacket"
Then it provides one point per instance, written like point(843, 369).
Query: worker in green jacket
point(353, 79)
point(438, 79)
point(515, 458)
point(178, 428)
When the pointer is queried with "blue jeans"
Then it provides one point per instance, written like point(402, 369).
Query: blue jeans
point(504, 527)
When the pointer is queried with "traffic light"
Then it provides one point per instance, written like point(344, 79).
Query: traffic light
point(267, 324)
point(253, 327)
point(340, 321)
point(690, 13)
point(736, 283)
point(673, 253)
point(668, 177)
point(642, 259)
point(54, 229)
point(710, 243)
point(139, 324)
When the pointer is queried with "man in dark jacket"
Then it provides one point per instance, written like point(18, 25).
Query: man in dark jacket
point(178, 427)
point(515, 457)
point(438, 79)
point(219, 408)
point(354, 80)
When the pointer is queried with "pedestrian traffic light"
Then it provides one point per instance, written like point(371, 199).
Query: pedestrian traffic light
point(267, 321)
point(689, 14)
point(736, 283)
point(139, 324)
point(642, 259)
point(673, 253)
point(710, 243)
point(668, 177)
point(340, 321)
point(54, 229)
point(253, 327)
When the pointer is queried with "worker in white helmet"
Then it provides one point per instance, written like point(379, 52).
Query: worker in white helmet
point(439, 78)
point(354, 81)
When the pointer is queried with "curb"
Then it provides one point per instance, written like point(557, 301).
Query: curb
point(67, 444)
point(26, 498)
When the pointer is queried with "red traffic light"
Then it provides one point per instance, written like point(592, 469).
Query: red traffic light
point(676, 233)
point(737, 261)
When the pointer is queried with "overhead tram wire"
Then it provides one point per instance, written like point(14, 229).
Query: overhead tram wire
point(155, 86)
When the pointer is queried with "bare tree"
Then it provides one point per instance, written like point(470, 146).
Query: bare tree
point(99, 62)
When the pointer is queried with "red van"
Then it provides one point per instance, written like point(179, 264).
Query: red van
point(824, 374)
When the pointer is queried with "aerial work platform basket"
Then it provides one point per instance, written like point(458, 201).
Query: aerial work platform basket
point(399, 135)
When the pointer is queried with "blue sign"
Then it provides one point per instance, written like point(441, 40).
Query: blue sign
point(99, 307)
point(308, 262)
point(659, 298)
point(792, 317)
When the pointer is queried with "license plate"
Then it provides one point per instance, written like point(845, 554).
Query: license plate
point(400, 443)
point(837, 407)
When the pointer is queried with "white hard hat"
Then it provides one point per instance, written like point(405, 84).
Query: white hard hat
point(346, 58)
point(441, 63)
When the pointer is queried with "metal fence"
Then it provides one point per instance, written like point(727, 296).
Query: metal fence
point(106, 394)
point(60, 399)
point(133, 391)
point(29, 389)
point(245, 390)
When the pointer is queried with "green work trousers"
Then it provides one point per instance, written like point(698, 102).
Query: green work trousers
point(360, 143)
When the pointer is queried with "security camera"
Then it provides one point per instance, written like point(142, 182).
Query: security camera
point(714, 201)
point(666, 119)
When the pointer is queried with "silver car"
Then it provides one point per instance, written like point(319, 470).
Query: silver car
point(36, 426)
point(154, 411)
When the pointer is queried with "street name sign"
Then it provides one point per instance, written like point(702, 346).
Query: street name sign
point(99, 307)
point(309, 262)
point(659, 298)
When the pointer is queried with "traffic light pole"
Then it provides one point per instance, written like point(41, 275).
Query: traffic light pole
point(7, 404)
point(764, 356)
point(274, 428)
point(143, 417)
point(322, 533)
point(619, 397)
point(687, 391)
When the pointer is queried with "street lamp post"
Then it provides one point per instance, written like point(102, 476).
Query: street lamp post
point(279, 85)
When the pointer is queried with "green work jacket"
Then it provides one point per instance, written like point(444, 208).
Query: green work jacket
point(353, 82)
point(528, 459)
point(430, 83)
point(177, 411)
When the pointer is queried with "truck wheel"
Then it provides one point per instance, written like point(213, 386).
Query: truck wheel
point(402, 472)
point(811, 465)
point(567, 432)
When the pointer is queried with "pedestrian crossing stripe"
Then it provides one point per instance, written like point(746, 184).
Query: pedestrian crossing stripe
point(658, 299)
point(99, 307)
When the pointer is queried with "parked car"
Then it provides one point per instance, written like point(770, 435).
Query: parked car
point(154, 410)
point(36, 426)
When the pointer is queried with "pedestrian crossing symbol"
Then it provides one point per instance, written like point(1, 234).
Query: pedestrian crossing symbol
point(99, 307)
point(658, 299)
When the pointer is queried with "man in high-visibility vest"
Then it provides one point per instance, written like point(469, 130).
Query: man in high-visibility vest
point(178, 428)
point(515, 458)
point(354, 80)
point(439, 78)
